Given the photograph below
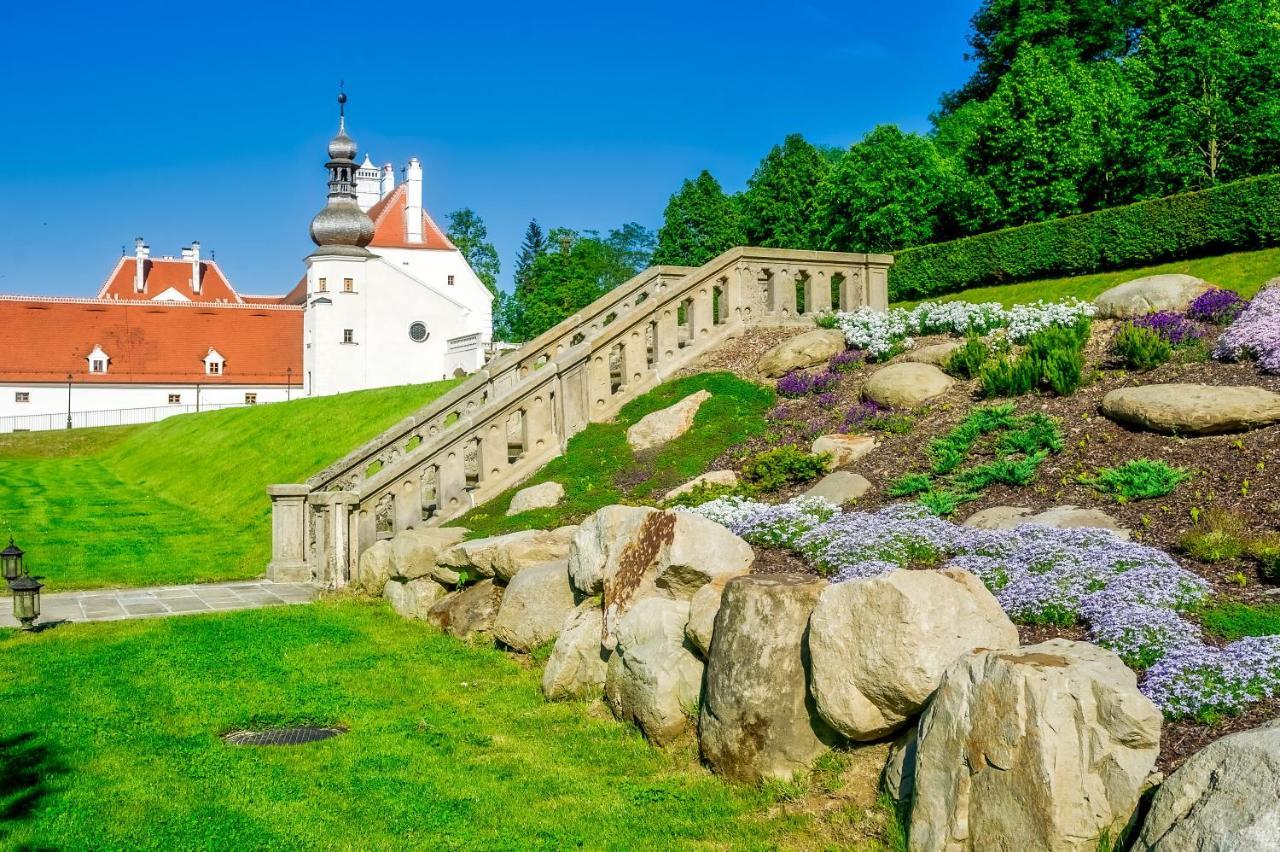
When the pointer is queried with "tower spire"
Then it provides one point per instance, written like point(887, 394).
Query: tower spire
point(342, 227)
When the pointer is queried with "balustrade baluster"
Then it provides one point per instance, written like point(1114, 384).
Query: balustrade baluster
point(452, 486)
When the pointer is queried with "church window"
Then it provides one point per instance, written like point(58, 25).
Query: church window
point(348, 285)
point(322, 284)
point(450, 280)
point(348, 335)
point(251, 399)
point(22, 396)
point(175, 399)
point(418, 332)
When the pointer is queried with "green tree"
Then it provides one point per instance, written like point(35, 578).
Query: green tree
point(468, 233)
point(700, 222)
point(1210, 77)
point(889, 191)
point(1067, 30)
point(781, 197)
point(535, 243)
point(633, 245)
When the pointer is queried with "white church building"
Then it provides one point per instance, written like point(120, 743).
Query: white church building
point(386, 300)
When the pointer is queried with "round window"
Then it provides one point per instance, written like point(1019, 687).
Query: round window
point(418, 331)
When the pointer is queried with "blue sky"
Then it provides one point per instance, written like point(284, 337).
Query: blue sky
point(208, 121)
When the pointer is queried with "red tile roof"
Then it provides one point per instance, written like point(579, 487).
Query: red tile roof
point(44, 339)
point(164, 273)
point(389, 229)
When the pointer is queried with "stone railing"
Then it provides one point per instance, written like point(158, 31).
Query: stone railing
point(501, 425)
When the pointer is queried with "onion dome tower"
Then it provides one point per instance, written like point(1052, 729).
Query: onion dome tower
point(342, 227)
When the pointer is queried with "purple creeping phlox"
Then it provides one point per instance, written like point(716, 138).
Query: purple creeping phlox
point(1255, 333)
point(1172, 326)
point(1202, 681)
point(1217, 306)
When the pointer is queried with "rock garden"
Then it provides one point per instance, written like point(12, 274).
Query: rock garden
point(1025, 562)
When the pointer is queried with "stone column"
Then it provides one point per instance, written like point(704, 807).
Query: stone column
point(666, 337)
point(408, 503)
point(817, 298)
point(452, 487)
point(493, 449)
point(537, 423)
point(782, 294)
point(852, 293)
point(702, 320)
point(288, 534)
point(598, 384)
point(343, 530)
point(878, 281)
point(634, 362)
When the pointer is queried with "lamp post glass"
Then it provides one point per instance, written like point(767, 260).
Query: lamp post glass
point(26, 600)
point(11, 560)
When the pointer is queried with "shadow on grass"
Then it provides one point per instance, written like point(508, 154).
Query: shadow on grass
point(27, 765)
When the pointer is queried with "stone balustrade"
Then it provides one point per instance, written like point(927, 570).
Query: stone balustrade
point(501, 425)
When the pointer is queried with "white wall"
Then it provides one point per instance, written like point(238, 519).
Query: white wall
point(52, 398)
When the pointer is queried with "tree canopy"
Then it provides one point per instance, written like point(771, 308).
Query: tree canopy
point(468, 232)
point(699, 223)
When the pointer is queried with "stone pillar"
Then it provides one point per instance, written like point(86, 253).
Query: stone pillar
point(666, 337)
point(817, 297)
point(598, 384)
point(782, 294)
point(288, 534)
point(852, 295)
point(634, 362)
point(493, 449)
point(878, 280)
point(703, 318)
point(537, 422)
point(343, 531)
point(452, 488)
point(408, 505)
point(366, 527)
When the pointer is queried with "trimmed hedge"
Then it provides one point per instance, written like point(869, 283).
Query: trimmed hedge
point(1232, 217)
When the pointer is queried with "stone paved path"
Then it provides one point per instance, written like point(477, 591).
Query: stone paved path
point(118, 604)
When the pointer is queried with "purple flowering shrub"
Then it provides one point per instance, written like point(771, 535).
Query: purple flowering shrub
point(797, 384)
point(1172, 326)
point(1128, 594)
point(1255, 333)
point(1217, 306)
point(843, 362)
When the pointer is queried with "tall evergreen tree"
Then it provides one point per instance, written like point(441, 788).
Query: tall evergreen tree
point(781, 197)
point(535, 243)
point(468, 232)
point(700, 222)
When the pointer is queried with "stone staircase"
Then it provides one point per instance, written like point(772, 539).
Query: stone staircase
point(505, 422)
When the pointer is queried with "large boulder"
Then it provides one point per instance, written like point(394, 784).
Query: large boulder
point(1185, 409)
point(659, 427)
point(413, 598)
point(757, 720)
point(468, 614)
point(503, 556)
point(1169, 292)
point(906, 385)
point(577, 666)
point(1225, 797)
point(414, 553)
point(804, 350)
point(840, 487)
point(541, 496)
point(703, 607)
point(726, 478)
point(879, 647)
point(653, 678)
point(1058, 517)
point(899, 776)
point(374, 568)
point(628, 553)
point(1045, 747)
point(936, 354)
point(843, 449)
point(534, 606)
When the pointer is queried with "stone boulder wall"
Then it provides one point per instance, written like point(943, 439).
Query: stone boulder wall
point(936, 354)
point(1225, 797)
point(534, 606)
point(627, 553)
point(660, 427)
point(468, 614)
point(804, 350)
point(703, 607)
point(541, 496)
point(1186, 409)
point(374, 568)
point(503, 556)
point(653, 678)
point(757, 719)
point(879, 647)
point(414, 553)
point(843, 449)
point(1046, 747)
point(1058, 517)
point(413, 598)
point(841, 487)
point(1170, 292)
point(578, 662)
point(906, 385)
point(728, 478)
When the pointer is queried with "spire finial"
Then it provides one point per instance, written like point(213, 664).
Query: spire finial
point(342, 105)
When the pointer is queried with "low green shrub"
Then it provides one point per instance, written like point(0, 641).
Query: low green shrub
point(1009, 377)
point(782, 466)
point(1139, 479)
point(703, 492)
point(1266, 552)
point(966, 362)
point(1139, 348)
point(1217, 537)
point(826, 321)
point(1054, 358)
point(910, 484)
point(1232, 621)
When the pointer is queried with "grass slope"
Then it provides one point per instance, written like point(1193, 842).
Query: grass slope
point(599, 467)
point(111, 739)
point(179, 501)
point(1244, 272)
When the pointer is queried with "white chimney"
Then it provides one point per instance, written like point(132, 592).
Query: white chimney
point(388, 180)
point(413, 207)
point(141, 252)
point(195, 267)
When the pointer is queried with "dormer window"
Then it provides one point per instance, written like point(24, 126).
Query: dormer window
point(98, 360)
point(214, 363)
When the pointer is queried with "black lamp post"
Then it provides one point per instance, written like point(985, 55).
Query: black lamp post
point(26, 600)
point(11, 561)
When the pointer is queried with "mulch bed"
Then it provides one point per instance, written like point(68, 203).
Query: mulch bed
point(1238, 473)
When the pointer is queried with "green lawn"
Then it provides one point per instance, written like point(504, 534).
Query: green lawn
point(600, 468)
point(1244, 272)
point(178, 501)
point(111, 739)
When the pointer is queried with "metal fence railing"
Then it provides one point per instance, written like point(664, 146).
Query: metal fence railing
point(109, 417)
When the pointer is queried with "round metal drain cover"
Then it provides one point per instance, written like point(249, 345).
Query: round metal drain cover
point(282, 736)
